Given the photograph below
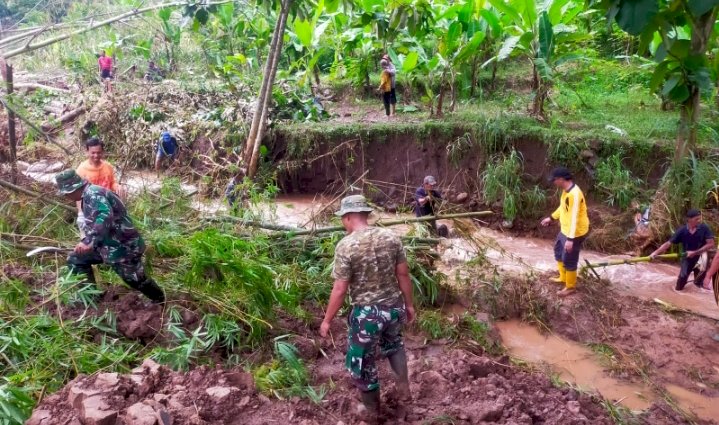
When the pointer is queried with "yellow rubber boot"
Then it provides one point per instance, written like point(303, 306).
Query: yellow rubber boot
point(570, 283)
point(562, 273)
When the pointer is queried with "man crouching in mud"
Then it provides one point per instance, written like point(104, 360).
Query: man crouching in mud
point(371, 264)
point(110, 236)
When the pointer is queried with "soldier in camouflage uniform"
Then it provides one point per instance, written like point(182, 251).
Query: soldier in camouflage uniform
point(110, 237)
point(371, 264)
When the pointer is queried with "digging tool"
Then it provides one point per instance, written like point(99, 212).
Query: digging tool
point(632, 260)
point(715, 285)
point(43, 249)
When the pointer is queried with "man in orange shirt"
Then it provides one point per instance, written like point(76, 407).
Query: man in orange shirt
point(97, 171)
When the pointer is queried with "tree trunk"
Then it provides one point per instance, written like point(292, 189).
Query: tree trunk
point(317, 76)
point(12, 137)
point(254, 160)
point(687, 132)
point(249, 144)
point(453, 91)
point(440, 101)
point(474, 75)
point(494, 74)
point(702, 29)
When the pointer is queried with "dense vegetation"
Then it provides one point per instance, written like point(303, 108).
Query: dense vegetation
point(622, 79)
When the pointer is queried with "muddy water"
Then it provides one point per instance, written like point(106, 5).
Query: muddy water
point(644, 280)
point(704, 407)
point(574, 363)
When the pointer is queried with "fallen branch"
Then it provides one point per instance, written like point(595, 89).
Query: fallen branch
point(30, 47)
point(41, 196)
point(37, 86)
point(64, 119)
point(37, 129)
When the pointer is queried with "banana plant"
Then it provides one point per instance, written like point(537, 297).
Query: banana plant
point(681, 32)
point(533, 32)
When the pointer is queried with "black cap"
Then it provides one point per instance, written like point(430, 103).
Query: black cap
point(560, 173)
point(693, 213)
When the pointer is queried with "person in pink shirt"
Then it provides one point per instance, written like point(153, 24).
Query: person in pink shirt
point(104, 64)
point(97, 171)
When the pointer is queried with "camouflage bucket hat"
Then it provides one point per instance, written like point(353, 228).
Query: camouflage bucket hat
point(353, 203)
point(68, 181)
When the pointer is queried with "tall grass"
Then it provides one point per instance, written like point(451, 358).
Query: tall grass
point(617, 182)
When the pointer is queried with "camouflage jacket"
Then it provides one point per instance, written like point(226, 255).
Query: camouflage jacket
point(107, 225)
point(367, 259)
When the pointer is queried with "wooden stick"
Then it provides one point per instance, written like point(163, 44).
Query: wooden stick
point(633, 260)
point(41, 196)
point(394, 222)
point(30, 47)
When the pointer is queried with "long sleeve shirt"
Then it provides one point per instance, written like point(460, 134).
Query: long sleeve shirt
point(108, 227)
point(572, 213)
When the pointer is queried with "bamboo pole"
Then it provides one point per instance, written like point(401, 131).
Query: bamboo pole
point(249, 144)
point(30, 47)
point(394, 222)
point(41, 196)
point(265, 106)
point(633, 260)
point(12, 137)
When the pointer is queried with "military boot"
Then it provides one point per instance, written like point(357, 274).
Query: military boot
point(398, 363)
point(151, 290)
point(369, 410)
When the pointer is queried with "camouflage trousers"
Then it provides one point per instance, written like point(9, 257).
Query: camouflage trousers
point(369, 327)
point(129, 267)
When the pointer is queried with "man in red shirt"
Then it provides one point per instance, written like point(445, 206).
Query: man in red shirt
point(104, 63)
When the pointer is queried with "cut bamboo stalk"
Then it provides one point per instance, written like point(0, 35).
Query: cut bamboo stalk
point(41, 196)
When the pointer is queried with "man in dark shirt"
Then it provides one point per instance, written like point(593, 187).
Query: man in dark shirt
point(427, 201)
point(426, 197)
point(696, 238)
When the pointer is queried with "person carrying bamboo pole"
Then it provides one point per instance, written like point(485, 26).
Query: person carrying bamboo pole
point(696, 238)
point(370, 263)
point(111, 237)
point(574, 227)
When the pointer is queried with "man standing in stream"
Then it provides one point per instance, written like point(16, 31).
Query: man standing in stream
point(574, 226)
point(371, 264)
point(696, 238)
point(110, 237)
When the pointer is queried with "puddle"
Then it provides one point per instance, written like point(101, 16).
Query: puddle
point(573, 363)
point(702, 406)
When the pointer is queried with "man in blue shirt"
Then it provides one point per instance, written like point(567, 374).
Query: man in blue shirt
point(166, 148)
point(427, 200)
point(696, 238)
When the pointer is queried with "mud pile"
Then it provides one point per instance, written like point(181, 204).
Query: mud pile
point(452, 384)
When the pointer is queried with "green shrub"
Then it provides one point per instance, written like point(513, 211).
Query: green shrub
point(615, 180)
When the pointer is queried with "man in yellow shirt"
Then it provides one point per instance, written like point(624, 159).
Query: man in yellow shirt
point(574, 226)
point(97, 171)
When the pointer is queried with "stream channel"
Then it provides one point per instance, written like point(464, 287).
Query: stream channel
point(570, 361)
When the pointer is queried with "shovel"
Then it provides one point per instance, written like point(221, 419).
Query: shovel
point(633, 260)
point(48, 249)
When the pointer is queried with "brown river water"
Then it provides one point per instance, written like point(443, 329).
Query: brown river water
point(570, 361)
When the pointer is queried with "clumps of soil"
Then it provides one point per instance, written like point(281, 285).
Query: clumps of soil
point(449, 384)
point(151, 395)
